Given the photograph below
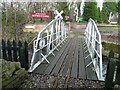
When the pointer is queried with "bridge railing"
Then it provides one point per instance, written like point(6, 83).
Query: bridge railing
point(48, 39)
point(93, 41)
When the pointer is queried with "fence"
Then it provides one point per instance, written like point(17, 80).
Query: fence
point(93, 40)
point(13, 51)
point(52, 36)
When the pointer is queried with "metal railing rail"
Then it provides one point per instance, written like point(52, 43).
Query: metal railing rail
point(52, 36)
point(93, 41)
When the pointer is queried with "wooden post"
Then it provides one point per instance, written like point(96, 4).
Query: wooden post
point(111, 54)
point(4, 50)
point(14, 51)
point(69, 26)
point(110, 74)
point(9, 50)
point(24, 56)
point(19, 46)
point(117, 80)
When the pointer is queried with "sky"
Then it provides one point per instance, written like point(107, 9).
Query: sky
point(100, 3)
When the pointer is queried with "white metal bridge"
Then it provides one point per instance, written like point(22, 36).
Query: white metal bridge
point(78, 57)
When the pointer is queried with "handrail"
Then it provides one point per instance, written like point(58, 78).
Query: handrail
point(93, 41)
point(48, 39)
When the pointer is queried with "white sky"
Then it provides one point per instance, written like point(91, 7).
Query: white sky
point(100, 3)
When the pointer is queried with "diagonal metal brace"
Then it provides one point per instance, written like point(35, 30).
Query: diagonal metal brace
point(52, 53)
point(89, 64)
point(87, 56)
point(56, 48)
point(45, 58)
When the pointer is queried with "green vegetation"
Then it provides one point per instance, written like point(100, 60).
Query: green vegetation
point(12, 74)
point(90, 11)
point(108, 46)
point(107, 8)
point(13, 19)
point(104, 17)
point(16, 14)
point(110, 7)
point(63, 6)
point(109, 28)
point(99, 16)
point(118, 9)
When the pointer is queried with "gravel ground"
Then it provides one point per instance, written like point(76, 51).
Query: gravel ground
point(47, 81)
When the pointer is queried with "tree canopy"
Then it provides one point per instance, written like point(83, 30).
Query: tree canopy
point(107, 8)
point(90, 11)
point(110, 7)
point(118, 9)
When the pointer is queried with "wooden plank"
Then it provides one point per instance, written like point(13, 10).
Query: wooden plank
point(55, 60)
point(82, 72)
point(65, 60)
point(91, 74)
point(42, 67)
point(61, 59)
point(74, 71)
point(69, 61)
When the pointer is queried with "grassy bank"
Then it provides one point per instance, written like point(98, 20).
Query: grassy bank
point(108, 27)
point(107, 46)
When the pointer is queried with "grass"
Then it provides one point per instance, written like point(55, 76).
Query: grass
point(111, 46)
point(108, 28)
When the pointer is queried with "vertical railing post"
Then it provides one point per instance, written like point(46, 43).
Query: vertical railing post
point(62, 31)
point(65, 30)
point(48, 36)
point(52, 37)
point(56, 32)
point(100, 50)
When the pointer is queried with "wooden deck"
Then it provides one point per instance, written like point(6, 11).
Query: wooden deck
point(70, 61)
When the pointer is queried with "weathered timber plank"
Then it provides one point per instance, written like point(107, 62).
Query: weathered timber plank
point(91, 74)
point(74, 71)
point(69, 59)
point(42, 67)
point(55, 60)
point(61, 59)
point(65, 61)
point(82, 72)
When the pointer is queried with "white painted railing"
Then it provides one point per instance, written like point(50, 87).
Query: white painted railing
point(93, 41)
point(48, 39)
